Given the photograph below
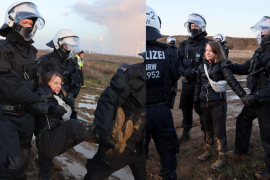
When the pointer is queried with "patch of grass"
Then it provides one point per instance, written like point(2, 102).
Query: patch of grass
point(99, 74)
point(186, 151)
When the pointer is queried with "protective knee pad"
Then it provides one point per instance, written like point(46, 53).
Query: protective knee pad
point(25, 142)
point(15, 166)
point(245, 116)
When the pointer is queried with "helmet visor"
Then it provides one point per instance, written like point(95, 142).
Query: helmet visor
point(29, 11)
point(71, 43)
point(218, 36)
point(262, 26)
point(195, 19)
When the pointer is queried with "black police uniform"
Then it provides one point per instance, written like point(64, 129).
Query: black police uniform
point(67, 68)
point(18, 74)
point(190, 56)
point(161, 73)
point(127, 90)
point(175, 86)
point(174, 48)
point(225, 49)
point(260, 87)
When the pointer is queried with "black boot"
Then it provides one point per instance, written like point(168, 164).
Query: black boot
point(185, 136)
point(207, 153)
point(263, 174)
point(168, 175)
point(221, 161)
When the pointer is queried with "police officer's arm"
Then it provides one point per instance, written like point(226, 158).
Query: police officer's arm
point(180, 57)
point(11, 85)
point(75, 89)
point(198, 85)
point(38, 108)
point(233, 83)
point(242, 69)
point(44, 65)
point(226, 52)
point(174, 69)
point(111, 98)
point(263, 95)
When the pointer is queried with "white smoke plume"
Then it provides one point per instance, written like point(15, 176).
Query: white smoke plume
point(125, 20)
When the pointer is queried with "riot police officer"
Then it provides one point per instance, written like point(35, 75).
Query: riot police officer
point(190, 53)
point(257, 103)
point(222, 40)
point(171, 41)
point(161, 74)
point(18, 76)
point(65, 43)
point(127, 90)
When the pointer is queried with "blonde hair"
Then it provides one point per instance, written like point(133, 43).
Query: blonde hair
point(217, 50)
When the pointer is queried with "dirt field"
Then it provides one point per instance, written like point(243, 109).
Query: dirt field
point(188, 166)
point(232, 42)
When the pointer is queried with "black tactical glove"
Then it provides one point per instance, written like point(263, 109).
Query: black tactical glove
point(73, 115)
point(69, 100)
point(197, 108)
point(56, 110)
point(243, 98)
point(105, 140)
point(188, 76)
point(227, 64)
point(182, 71)
point(249, 99)
point(42, 98)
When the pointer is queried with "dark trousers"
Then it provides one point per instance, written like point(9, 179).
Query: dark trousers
point(160, 126)
point(102, 165)
point(59, 140)
point(244, 126)
point(186, 103)
point(81, 76)
point(16, 134)
point(214, 119)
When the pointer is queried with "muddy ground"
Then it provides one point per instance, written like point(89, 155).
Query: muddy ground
point(188, 165)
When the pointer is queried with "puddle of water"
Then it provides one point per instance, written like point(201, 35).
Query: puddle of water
point(87, 153)
point(88, 106)
point(81, 118)
point(100, 88)
point(88, 99)
point(91, 116)
point(91, 97)
point(233, 97)
point(256, 122)
point(74, 168)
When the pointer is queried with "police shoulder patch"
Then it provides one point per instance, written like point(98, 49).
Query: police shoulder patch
point(123, 68)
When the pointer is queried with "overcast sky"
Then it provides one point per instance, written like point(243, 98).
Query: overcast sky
point(112, 26)
point(231, 17)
